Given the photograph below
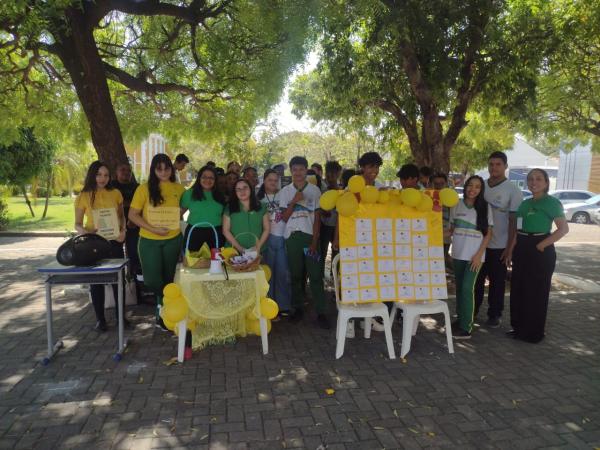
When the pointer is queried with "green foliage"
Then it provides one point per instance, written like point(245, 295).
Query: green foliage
point(25, 158)
point(3, 214)
point(60, 217)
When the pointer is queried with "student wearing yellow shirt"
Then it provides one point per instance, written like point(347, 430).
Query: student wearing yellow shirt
point(155, 209)
point(101, 207)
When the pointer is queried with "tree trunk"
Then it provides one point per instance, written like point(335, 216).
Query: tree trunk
point(48, 188)
point(24, 191)
point(79, 54)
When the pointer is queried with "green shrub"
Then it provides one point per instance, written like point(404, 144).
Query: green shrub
point(3, 214)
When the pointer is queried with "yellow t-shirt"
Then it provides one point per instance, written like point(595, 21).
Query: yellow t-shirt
point(165, 215)
point(103, 199)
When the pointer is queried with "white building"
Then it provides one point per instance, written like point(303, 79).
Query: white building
point(579, 169)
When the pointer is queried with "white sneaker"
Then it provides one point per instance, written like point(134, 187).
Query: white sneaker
point(375, 326)
point(350, 329)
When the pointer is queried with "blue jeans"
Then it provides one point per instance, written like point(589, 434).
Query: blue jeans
point(275, 257)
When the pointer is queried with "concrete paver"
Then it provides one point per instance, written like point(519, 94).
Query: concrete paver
point(494, 392)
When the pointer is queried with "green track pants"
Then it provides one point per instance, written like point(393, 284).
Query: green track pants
point(465, 293)
point(159, 259)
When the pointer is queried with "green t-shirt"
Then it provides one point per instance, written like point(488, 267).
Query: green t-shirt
point(536, 216)
point(207, 210)
point(247, 226)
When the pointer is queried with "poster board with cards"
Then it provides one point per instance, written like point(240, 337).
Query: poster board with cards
point(392, 253)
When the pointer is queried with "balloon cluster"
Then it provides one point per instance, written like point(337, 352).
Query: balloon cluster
point(174, 308)
point(268, 309)
point(346, 202)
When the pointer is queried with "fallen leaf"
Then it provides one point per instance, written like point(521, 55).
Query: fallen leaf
point(413, 430)
point(330, 391)
point(396, 413)
point(204, 437)
point(140, 380)
point(403, 360)
point(483, 377)
point(171, 361)
point(378, 428)
point(431, 433)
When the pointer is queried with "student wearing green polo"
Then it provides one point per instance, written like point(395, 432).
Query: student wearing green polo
point(246, 223)
point(534, 258)
point(205, 205)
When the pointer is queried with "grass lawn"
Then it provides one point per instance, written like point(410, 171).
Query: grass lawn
point(60, 216)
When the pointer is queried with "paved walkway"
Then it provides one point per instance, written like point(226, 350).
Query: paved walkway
point(493, 393)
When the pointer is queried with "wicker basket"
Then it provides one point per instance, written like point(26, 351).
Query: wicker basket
point(201, 263)
point(252, 265)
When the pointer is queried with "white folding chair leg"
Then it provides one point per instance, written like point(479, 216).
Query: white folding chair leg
point(415, 324)
point(368, 326)
point(393, 313)
point(181, 339)
point(448, 329)
point(341, 335)
point(387, 324)
point(407, 328)
point(264, 335)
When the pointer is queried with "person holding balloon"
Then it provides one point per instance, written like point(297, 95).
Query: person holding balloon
point(471, 223)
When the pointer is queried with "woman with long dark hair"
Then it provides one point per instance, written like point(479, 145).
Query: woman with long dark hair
point(102, 208)
point(471, 228)
point(534, 258)
point(245, 222)
point(205, 204)
point(155, 209)
point(274, 254)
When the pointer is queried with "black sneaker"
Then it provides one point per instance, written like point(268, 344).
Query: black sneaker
point(511, 333)
point(101, 326)
point(461, 334)
point(493, 322)
point(455, 326)
point(323, 322)
point(296, 316)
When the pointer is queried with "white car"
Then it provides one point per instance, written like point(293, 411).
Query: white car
point(597, 216)
point(583, 212)
point(567, 196)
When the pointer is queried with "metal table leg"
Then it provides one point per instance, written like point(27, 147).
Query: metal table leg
point(53, 347)
point(120, 313)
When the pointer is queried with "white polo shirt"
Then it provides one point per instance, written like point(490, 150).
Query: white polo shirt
point(504, 198)
point(303, 217)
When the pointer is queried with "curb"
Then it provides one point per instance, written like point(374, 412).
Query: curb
point(586, 286)
point(34, 234)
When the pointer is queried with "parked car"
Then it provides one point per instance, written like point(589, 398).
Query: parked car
point(567, 196)
point(583, 212)
point(526, 194)
point(459, 190)
point(597, 216)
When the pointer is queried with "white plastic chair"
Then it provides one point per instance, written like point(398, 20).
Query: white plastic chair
point(366, 311)
point(411, 313)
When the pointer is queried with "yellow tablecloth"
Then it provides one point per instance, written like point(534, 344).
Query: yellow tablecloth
point(218, 305)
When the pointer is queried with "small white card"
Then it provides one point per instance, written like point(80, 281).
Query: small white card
point(403, 251)
point(403, 265)
point(385, 265)
point(364, 237)
point(365, 251)
point(347, 253)
point(349, 268)
point(437, 265)
point(403, 224)
point(402, 237)
point(420, 240)
point(364, 224)
point(419, 225)
point(422, 293)
point(519, 223)
point(438, 278)
point(420, 252)
point(367, 280)
point(387, 292)
point(439, 292)
point(350, 295)
point(405, 278)
point(385, 237)
point(368, 294)
point(436, 252)
point(384, 224)
point(349, 281)
point(385, 251)
point(387, 279)
point(366, 266)
point(422, 278)
point(420, 265)
point(406, 292)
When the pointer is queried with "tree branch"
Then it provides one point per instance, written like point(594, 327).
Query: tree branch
point(410, 128)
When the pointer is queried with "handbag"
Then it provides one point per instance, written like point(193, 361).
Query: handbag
point(83, 250)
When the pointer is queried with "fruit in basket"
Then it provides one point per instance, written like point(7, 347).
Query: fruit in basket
point(228, 252)
point(268, 308)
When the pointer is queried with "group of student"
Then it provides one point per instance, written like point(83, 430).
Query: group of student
point(490, 229)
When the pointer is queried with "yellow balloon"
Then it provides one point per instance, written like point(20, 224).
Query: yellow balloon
point(253, 327)
point(384, 197)
point(356, 184)
point(426, 203)
point(174, 313)
point(347, 205)
point(410, 197)
point(448, 197)
point(171, 290)
point(369, 194)
point(267, 270)
point(170, 325)
point(328, 199)
point(268, 308)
